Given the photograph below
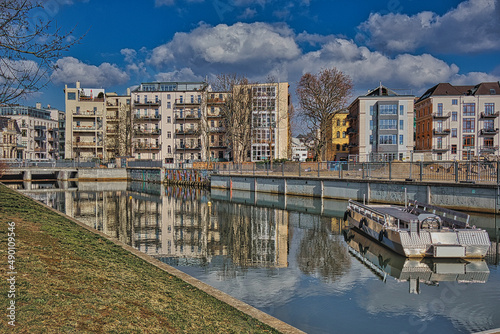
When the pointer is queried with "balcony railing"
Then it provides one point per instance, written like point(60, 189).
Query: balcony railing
point(187, 102)
point(88, 113)
point(489, 114)
point(217, 129)
point(218, 145)
point(215, 101)
point(187, 116)
point(112, 118)
point(147, 117)
point(91, 99)
point(489, 132)
point(146, 147)
point(84, 144)
point(441, 132)
point(186, 132)
point(84, 128)
point(187, 147)
point(441, 115)
point(147, 103)
point(147, 131)
point(488, 149)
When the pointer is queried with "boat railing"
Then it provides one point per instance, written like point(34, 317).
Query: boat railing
point(450, 218)
point(381, 218)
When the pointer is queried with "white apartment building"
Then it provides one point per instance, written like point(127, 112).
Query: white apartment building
point(381, 126)
point(166, 119)
point(39, 132)
point(459, 122)
point(299, 150)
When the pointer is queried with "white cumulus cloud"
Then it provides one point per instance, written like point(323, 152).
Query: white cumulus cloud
point(473, 26)
point(70, 70)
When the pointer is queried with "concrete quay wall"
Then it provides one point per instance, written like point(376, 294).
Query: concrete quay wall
point(470, 197)
point(101, 174)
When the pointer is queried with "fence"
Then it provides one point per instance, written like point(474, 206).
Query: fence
point(53, 163)
point(446, 171)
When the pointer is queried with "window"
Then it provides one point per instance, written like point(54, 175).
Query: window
point(453, 149)
point(371, 110)
point(401, 109)
point(468, 141)
point(440, 109)
point(388, 109)
point(338, 122)
point(71, 96)
point(169, 134)
point(388, 124)
point(439, 142)
point(454, 116)
point(169, 120)
point(371, 139)
point(371, 124)
point(489, 124)
point(387, 140)
point(454, 132)
point(488, 142)
point(338, 147)
point(489, 108)
point(454, 102)
point(168, 96)
point(439, 156)
point(469, 109)
point(338, 134)
point(343, 134)
point(469, 125)
point(401, 140)
point(169, 105)
point(401, 124)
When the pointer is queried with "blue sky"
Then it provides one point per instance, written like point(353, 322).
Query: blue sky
point(405, 44)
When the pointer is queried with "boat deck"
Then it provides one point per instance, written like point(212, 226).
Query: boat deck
point(396, 213)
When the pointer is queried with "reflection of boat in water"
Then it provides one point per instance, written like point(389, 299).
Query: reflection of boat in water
point(384, 262)
point(420, 230)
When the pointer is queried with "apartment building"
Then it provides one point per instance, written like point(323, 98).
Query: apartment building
point(337, 140)
point(270, 122)
point(217, 140)
point(299, 150)
point(39, 131)
point(9, 139)
point(381, 126)
point(167, 121)
point(458, 122)
point(85, 122)
point(119, 132)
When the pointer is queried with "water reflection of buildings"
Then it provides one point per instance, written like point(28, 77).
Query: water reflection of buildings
point(180, 225)
point(383, 262)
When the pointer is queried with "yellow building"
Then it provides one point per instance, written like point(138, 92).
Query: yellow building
point(337, 140)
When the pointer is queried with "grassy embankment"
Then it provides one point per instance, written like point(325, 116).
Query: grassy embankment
point(71, 280)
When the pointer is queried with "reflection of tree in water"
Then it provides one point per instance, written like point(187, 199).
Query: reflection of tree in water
point(321, 252)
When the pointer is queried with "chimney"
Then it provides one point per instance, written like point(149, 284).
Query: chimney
point(38, 105)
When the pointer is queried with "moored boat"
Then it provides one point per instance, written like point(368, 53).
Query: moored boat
point(419, 230)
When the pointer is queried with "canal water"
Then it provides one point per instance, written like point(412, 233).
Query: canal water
point(292, 257)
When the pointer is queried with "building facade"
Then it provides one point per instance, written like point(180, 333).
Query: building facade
point(381, 126)
point(85, 122)
point(118, 131)
point(10, 134)
point(458, 122)
point(39, 132)
point(337, 140)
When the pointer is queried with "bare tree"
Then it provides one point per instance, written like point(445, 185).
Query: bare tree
point(28, 48)
point(237, 112)
point(321, 96)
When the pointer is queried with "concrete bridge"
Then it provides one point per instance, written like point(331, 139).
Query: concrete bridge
point(30, 174)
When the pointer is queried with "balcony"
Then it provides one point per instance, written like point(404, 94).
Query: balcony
point(214, 115)
point(88, 113)
point(187, 148)
point(145, 118)
point(83, 128)
point(143, 132)
point(40, 149)
point(217, 129)
point(40, 138)
point(441, 148)
point(187, 117)
point(219, 145)
point(91, 99)
point(112, 118)
point(441, 115)
point(146, 147)
point(182, 102)
point(489, 114)
point(488, 149)
point(441, 132)
point(215, 101)
point(488, 132)
point(147, 104)
point(186, 132)
point(84, 144)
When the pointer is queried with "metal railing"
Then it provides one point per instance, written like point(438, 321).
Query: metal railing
point(422, 171)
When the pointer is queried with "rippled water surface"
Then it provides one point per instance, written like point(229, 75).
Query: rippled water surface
point(292, 258)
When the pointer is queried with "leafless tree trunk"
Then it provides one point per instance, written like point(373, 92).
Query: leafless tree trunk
point(321, 96)
point(28, 48)
point(237, 112)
